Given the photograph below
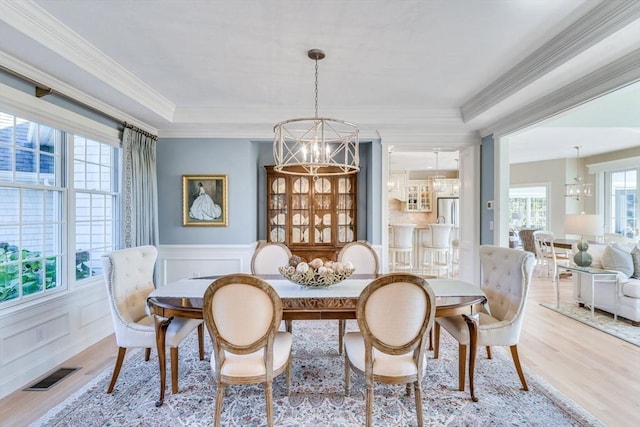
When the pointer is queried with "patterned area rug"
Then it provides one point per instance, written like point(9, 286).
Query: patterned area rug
point(602, 320)
point(317, 396)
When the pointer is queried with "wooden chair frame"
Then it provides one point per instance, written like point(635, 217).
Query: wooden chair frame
point(265, 342)
point(417, 345)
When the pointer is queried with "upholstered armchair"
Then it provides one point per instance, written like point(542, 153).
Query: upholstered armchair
point(128, 274)
point(506, 275)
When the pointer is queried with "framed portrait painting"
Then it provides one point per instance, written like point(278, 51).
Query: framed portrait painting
point(205, 200)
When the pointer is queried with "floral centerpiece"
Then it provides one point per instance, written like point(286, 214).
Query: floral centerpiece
point(316, 273)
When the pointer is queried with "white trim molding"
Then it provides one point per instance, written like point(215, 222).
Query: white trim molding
point(614, 165)
point(615, 75)
point(598, 24)
point(179, 261)
point(36, 23)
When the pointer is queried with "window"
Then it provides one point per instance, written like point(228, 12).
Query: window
point(39, 187)
point(621, 205)
point(528, 207)
point(94, 181)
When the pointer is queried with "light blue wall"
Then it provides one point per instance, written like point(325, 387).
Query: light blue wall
point(236, 158)
point(487, 174)
point(243, 161)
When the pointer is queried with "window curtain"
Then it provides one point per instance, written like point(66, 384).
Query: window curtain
point(140, 189)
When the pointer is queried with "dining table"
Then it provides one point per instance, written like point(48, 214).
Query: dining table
point(184, 298)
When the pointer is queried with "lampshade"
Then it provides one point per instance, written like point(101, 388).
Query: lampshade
point(316, 146)
point(583, 224)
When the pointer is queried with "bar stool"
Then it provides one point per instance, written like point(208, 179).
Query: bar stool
point(401, 247)
point(440, 245)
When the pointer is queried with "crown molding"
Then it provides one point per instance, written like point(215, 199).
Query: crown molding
point(598, 24)
point(358, 115)
point(214, 122)
point(29, 18)
point(255, 131)
point(617, 74)
point(20, 68)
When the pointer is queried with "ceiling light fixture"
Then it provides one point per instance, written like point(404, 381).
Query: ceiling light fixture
point(316, 146)
point(436, 180)
point(578, 189)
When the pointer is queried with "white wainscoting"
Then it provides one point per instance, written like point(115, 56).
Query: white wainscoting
point(36, 339)
point(176, 262)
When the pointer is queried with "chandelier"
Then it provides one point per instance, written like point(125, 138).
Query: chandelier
point(436, 180)
point(578, 189)
point(316, 146)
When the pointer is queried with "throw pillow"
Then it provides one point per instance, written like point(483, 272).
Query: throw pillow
point(616, 257)
point(635, 257)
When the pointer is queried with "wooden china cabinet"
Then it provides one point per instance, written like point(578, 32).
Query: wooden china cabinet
point(313, 216)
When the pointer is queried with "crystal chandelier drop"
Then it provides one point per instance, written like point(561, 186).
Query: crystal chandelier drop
point(316, 146)
point(578, 189)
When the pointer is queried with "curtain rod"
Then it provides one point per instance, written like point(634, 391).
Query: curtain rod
point(43, 90)
point(144, 132)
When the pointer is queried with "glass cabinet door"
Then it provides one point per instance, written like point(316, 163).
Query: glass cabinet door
point(277, 210)
point(323, 209)
point(300, 210)
point(346, 209)
point(413, 193)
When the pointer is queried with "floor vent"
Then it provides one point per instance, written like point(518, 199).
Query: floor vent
point(51, 380)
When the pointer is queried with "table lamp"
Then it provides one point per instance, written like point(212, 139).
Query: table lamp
point(583, 225)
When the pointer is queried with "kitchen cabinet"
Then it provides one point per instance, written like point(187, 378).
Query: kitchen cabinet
point(314, 217)
point(397, 185)
point(418, 196)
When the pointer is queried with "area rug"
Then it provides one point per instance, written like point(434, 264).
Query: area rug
point(602, 320)
point(317, 396)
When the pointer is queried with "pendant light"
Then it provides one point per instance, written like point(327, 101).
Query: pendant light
point(316, 146)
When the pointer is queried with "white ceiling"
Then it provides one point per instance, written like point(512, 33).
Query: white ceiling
point(403, 71)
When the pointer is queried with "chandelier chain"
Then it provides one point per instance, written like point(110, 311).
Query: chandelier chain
point(316, 88)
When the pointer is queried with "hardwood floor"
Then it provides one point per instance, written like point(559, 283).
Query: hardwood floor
point(599, 372)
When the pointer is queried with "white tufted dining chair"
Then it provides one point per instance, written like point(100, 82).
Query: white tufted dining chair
point(395, 314)
point(506, 275)
point(128, 274)
point(242, 313)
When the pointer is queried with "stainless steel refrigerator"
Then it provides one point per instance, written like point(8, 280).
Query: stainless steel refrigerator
point(449, 210)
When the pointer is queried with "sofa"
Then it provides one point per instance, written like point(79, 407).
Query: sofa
point(624, 260)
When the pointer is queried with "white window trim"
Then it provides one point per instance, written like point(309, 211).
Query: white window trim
point(614, 165)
